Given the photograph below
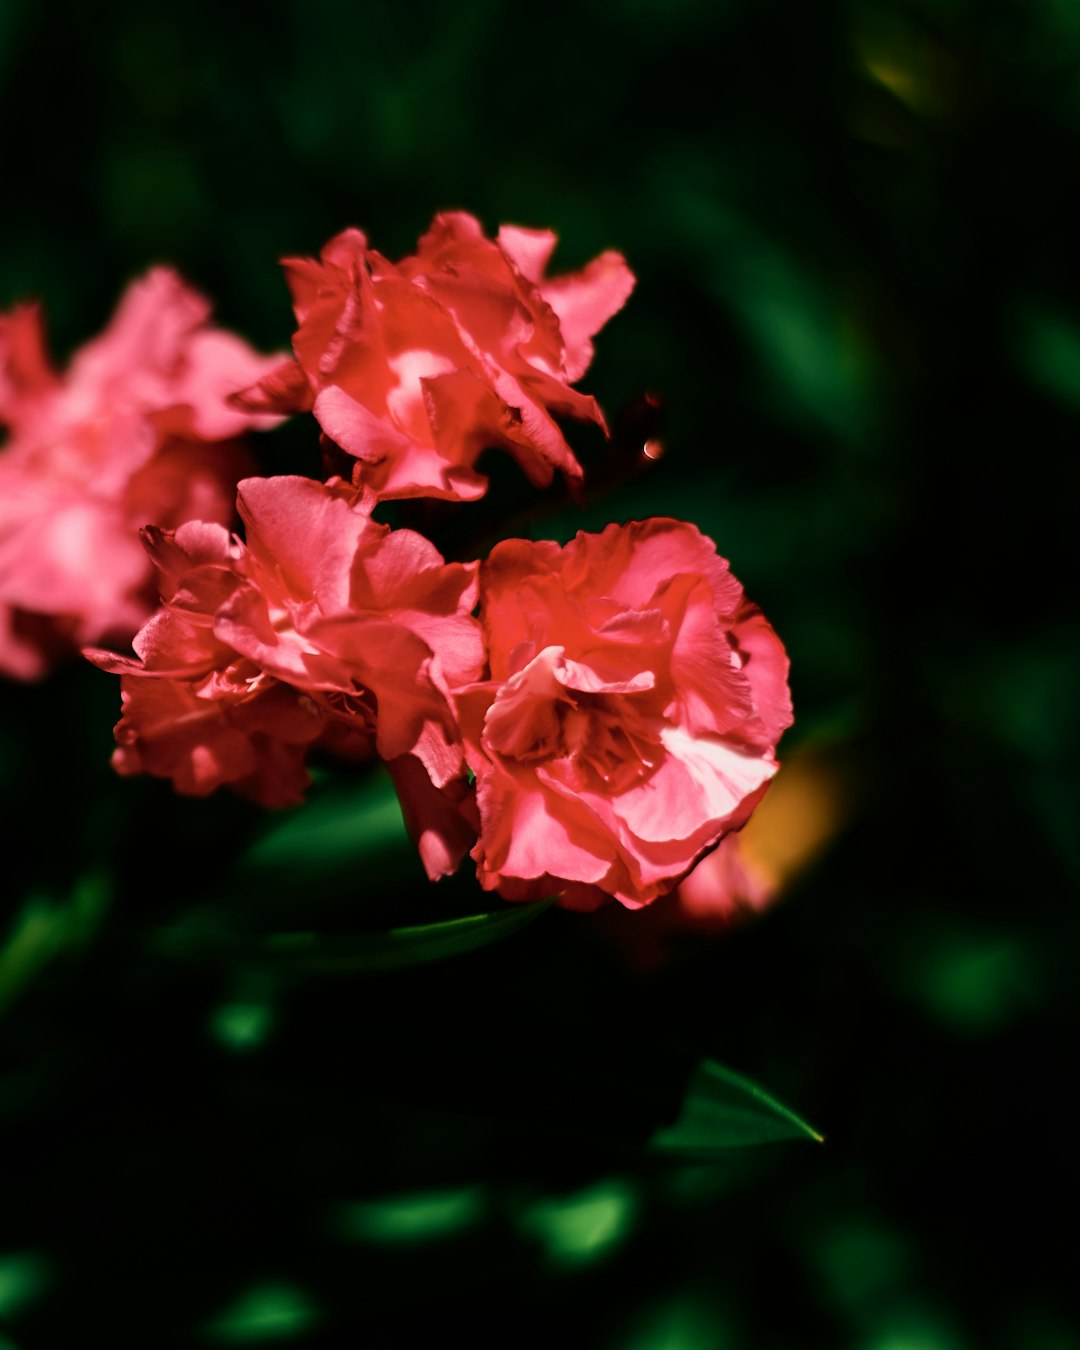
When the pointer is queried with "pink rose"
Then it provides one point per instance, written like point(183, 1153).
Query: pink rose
point(324, 626)
point(416, 367)
point(631, 716)
point(139, 429)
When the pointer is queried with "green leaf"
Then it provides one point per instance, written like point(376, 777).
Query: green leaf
point(46, 929)
point(400, 947)
point(579, 1228)
point(334, 830)
point(270, 1311)
point(23, 1276)
point(722, 1110)
point(1047, 347)
point(415, 1217)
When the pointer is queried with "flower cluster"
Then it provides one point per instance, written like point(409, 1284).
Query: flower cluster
point(325, 626)
point(587, 720)
point(138, 430)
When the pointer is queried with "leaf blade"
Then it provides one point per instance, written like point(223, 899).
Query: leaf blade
point(722, 1110)
point(399, 948)
point(334, 830)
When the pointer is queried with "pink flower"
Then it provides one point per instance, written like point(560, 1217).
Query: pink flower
point(631, 716)
point(194, 710)
point(416, 367)
point(324, 626)
point(724, 886)
point(138, 430)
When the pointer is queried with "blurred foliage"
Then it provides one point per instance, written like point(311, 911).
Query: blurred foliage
point(858, 308)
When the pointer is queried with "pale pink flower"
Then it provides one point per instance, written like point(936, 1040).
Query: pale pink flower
point(137, 431)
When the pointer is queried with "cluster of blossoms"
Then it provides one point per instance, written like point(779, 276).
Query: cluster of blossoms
point(588, 720)
point(137, 430)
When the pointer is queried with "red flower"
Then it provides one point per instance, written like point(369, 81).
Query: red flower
point(631, 716)
point(137, 430)
point(416, 367)
point(324, 626)
point(194, 710)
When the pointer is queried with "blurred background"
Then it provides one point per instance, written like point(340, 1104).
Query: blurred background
point(858, 309)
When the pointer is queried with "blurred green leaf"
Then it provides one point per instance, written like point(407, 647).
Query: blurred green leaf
point(806, 335)
point(399, 1220)
point(45, 929)
point(1046, 343)
point(912, 1328)
point(812, 348)
point(270, 1311)
point(722, 1110)
point(23, 1276)
point(577, 1229)
point(701, 1183)
point(971, 981)
point(402, 947)
point(685, 1320)
point(860, 1261)
point(333, 830)
point(241, 1026)
point(37, 935)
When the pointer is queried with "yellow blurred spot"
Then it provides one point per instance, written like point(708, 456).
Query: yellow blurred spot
point(899, 82)
point(911, 64)
point(807, 805)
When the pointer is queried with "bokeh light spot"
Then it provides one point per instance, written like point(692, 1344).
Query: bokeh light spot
point(580, 1228)
point(23, 1276)
point(685, 1322)
point(241, 1026)
point(402, 1219)
point(268, 1311)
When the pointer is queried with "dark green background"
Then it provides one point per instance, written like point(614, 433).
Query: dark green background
point(859, 298)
